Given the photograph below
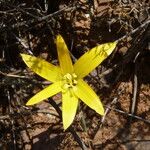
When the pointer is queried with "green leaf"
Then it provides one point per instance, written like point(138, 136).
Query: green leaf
point(45, 93)
point(42, 67)
point(63, 56)
point(91, 59)
point(88, 96)
point(69, 108)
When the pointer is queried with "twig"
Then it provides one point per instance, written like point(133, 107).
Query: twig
point(22, 43)
point(107, 110)
point(44, 112)
point(128, 114)
point(135, 30)
point(135, 85)
point(12, 121)
point(13, 75)
point(26, 113)
point(99, 126)
point(40, 19)
point(5, 117)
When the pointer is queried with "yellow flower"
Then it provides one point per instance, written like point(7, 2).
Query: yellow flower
point(68, 78)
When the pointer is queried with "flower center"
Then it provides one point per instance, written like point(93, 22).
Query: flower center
point(70, 80)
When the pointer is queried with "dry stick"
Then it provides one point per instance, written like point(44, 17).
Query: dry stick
point(135, 85)
point(44, 112)
point(40, 19)
point(26, 113)
point(107, 110)
point(128, 114)
point(12, 121)
point(22, 43)
point(135, 30)
point(13, 75)
point(5, 117)
point(23, 11)
point(99, 126)
point(71, 129)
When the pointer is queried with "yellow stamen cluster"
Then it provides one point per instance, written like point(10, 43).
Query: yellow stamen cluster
point(70, 80)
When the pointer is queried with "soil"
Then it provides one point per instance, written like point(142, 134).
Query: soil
point(122, 81)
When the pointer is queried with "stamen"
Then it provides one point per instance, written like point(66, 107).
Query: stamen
point(70, 81)
point(74, 75)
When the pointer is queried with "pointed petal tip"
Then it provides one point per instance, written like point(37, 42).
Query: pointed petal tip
point(101, 112)
point(29, 103)
point(22, 55)
point(58, 36)
point(111, 48)
point(65, 128)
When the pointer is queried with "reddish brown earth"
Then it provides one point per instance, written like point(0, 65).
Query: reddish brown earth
point(122, 79)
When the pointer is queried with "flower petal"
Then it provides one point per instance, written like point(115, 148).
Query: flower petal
point(42, 67)
point(88, 96)
point(69, 108)
point(91, 59)
point(63, 56)
point(45, 93)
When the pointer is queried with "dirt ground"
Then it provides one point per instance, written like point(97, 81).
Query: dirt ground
point(122, 81)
